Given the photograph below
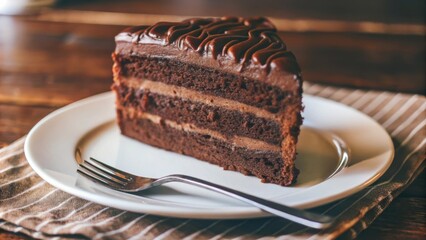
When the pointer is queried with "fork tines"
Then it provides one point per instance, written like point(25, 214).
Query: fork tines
point(103, 174)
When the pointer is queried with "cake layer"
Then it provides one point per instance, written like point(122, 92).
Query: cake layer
point(247, 47)
point(266, 165)
point(236, 141)
point(203, 79)
point(227, 120)
point(184, 93)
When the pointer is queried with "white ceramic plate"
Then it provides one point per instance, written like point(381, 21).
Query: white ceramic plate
point(88, 125)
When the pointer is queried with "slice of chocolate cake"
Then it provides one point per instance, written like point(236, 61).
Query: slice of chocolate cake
point(223, 90)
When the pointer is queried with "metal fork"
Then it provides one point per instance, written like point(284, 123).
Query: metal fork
point(111, 177)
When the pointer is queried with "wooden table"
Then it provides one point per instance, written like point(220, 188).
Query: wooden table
point(59, 56)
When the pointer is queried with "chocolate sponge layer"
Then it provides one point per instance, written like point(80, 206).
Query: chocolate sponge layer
point(227, 122)
point(266, 165)
point(207, 80)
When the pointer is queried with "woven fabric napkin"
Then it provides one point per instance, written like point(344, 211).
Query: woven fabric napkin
point(31, 206)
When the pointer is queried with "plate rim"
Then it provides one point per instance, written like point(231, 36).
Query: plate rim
point(231, 212)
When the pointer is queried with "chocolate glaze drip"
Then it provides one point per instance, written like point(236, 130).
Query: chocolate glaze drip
point(244, 40)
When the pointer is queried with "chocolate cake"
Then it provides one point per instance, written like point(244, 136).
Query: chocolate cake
point(223, 90)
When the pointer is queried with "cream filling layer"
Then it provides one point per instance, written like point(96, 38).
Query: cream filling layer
point(184, 93)
point(237, 141)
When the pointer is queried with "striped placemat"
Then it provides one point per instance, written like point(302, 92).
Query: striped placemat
point(31, 206)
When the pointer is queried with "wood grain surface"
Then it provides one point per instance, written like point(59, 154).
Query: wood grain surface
point(61, 55)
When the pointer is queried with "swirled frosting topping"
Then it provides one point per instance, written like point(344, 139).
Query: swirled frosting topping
point(244, 40)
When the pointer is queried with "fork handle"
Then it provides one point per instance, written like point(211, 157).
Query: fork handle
point(303, 217)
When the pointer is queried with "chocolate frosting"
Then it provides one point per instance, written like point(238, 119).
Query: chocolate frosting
point(245, 41)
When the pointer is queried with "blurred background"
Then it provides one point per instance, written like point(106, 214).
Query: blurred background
point(361, 44)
